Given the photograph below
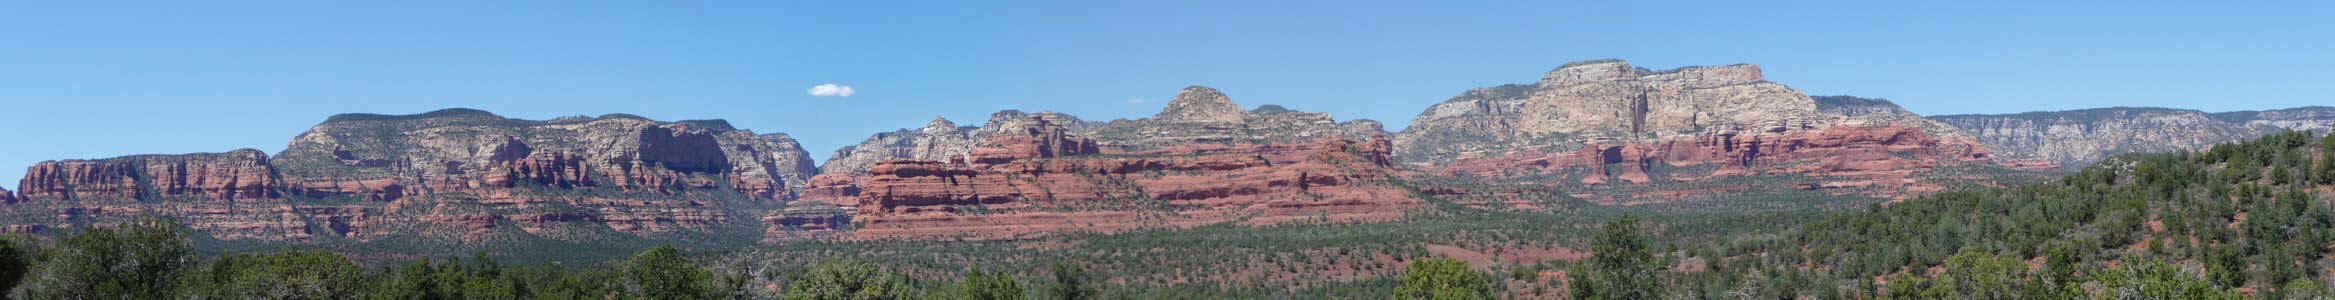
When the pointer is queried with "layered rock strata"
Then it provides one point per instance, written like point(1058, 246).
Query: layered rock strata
point(1203, 115)
point(1041, 180)
point(240, 175)
point(1628, 134)
point(451, 175)
point(2077, 138)
point(1197, 115)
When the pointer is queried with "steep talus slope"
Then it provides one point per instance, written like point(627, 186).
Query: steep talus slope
point(1617, 133)
point(454, 175)
point(2077, 138)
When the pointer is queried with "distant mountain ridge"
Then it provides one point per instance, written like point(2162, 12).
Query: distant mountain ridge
point(1600, 130)
point(2076, 138)
point(456, 176)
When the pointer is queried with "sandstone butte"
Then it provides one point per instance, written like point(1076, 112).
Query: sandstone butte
point(1613, 133)
point(1601, 130)
point(1037, 179)
point(453, 175)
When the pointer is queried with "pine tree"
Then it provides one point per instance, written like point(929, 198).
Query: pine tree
point(1442, 279)
point(1069, 283)
point(1622, 266)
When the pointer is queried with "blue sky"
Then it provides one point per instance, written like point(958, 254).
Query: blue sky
point(93, 80)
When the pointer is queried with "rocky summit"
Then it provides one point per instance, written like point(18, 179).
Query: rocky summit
point(1604, 131)
point(1198, 115)
point(1202, 115)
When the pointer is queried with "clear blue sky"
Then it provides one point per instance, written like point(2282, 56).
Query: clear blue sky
point(92, 80)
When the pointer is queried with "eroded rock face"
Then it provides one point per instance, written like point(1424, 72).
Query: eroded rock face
point(1042, 180)
point(1879, 161)
point(1604, 100)
point(1036, 138)
point(1202, 115)
point(2310, 118)
point(240, 175)
point(463, 150)
point(1614, 99)
point(1198, 115)
point(1607, 125)
point(940, 140)
point(2078, 138)
point(451, 175)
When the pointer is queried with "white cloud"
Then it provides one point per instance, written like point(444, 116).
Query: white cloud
point(831, 89)
point(1135, 100)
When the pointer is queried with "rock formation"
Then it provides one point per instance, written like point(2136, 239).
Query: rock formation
point(2309, 118)
point(451, 150)
point(1602, 130)
point(1198, 115)
point(1034, 176)
point(1202, 115)
point(939, 141)
point(457, 175)
point(1604, 122)
point(2076, 138)
point(233, 176)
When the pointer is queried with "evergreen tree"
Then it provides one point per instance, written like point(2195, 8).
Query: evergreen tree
point(981, 285)
point(1069, 283)
point(15, 260)
point(1442, 279)
point(661, 273)
point(278, 275)
point(1622, 266)
point(848, 280)
point(136, 260)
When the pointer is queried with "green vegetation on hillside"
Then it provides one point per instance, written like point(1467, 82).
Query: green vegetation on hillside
point(2247, 217)
point(2240, 220)
point(154, 259)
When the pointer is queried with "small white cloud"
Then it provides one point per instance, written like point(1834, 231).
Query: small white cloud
point(831, 89)
point(1135, 100)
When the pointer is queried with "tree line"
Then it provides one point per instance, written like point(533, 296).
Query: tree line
point(2238, 220)
point(154, 259)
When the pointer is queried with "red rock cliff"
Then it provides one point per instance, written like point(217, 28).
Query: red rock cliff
point(239, 175)
point(1839, 156)
point(459, 175)
point(1045, 181)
